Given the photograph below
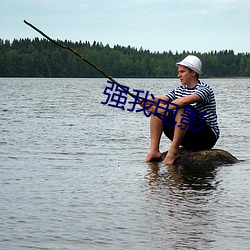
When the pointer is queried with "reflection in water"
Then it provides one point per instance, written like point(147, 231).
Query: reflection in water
point(183, 177)
point(61, 189)
point(183, 197)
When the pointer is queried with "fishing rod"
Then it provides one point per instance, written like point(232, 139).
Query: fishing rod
point(80, 56)
point(89, 62)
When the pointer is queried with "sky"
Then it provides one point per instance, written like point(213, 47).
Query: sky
point(155, 25)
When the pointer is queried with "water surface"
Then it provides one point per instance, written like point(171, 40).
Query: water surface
point(72, 175)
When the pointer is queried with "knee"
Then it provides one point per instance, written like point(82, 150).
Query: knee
point(156, 121)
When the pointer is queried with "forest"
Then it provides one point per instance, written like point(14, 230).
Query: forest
point(41, 58)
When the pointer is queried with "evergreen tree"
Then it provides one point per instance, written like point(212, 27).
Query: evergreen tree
point(41, 58)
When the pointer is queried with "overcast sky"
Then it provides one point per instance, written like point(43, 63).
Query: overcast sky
point(157, 25)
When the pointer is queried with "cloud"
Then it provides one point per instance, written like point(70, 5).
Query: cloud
point(152, 24)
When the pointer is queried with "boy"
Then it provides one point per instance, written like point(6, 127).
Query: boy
point(192, 97)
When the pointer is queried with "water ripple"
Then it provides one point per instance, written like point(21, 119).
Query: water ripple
point(72, 175)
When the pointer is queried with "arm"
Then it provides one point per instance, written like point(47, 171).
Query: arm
point(165, 98)
point(155, 100)
point(181, 102)
point(186, 100)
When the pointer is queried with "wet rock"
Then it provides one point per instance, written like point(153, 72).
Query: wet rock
point(204, 157)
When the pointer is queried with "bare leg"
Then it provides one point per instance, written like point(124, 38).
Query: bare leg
point(156, 128)
point(173, 151)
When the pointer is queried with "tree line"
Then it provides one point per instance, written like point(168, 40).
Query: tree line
point(41, 58)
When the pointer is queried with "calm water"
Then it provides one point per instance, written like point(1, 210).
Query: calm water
point(72, 175)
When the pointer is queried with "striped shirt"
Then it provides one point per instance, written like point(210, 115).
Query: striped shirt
point(208, 104)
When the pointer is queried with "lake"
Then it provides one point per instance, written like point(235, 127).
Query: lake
point(72, 173)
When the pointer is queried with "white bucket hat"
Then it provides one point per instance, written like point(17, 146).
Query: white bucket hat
point(191, 62)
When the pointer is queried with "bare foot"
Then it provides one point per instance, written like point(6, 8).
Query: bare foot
point(170, 157)
point(153, 156)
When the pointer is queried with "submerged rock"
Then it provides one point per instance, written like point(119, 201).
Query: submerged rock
point(204, 157)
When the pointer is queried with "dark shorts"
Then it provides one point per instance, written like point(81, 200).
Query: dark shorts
point(203, 138)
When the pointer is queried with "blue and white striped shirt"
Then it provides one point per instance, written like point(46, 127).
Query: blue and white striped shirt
point(208, 104)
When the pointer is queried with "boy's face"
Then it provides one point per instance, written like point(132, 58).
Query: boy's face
point(185, 75)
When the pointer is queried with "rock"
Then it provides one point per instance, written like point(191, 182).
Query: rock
point(204, 157)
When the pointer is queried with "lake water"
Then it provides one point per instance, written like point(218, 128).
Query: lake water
point(72, 174)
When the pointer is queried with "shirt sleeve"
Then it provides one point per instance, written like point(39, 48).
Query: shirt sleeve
point(204, 93)
point(171, 95)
